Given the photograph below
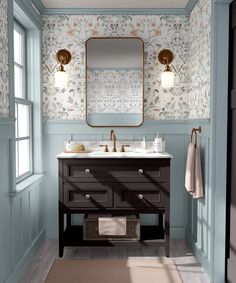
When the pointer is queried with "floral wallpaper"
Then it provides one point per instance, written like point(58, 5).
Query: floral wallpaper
point(199, 63)
point(122, 89)
point(187, 36)
point(71, 32)
point(4, 97)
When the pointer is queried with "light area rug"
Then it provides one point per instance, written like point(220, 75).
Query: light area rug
point(114, 271)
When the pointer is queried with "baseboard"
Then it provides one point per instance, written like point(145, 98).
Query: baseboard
point(177, 233)
point(199, 254)
point(204, 261)
point(18, 271)
point(51, 233)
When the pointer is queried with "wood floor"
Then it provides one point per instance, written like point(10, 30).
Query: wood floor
point(188, 267)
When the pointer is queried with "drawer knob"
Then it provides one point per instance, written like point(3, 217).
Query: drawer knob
point(87, 196)
point(87, 171)
point(140, 171)
point(140, 196)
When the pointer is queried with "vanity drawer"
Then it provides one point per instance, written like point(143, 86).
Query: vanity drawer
point(140, 195)
point(88, 195)
point(125, 170)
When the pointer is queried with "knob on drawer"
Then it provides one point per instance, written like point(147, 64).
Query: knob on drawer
point(87, 196)
point(140, 196)
point(87, 171)
point(140, 171)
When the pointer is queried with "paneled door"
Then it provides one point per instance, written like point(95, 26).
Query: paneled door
point(231, 205)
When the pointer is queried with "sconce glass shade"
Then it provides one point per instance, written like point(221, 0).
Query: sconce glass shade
point(167, 79)
point(61, 79)
point(63, 57)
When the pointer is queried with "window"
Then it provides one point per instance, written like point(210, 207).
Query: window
point(23, 107)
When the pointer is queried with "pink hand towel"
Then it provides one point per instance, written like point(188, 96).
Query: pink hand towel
point(189, 174)
point(198, 186)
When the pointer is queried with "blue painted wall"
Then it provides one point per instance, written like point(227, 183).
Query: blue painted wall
point(21, 215)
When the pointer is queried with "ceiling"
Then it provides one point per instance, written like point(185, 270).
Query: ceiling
point(119, 4)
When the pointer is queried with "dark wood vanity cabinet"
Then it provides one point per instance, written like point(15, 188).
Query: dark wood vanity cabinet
point(115, 186)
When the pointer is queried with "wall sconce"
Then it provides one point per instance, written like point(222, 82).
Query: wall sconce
point(165, 57)
point(63, 57)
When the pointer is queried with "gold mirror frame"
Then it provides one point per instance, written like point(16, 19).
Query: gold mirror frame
point(86, 82)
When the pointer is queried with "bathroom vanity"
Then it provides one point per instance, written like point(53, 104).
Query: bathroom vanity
point(115, 184)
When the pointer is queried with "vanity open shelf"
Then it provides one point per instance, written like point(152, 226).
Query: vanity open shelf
point(117, 186)
point(150, 236)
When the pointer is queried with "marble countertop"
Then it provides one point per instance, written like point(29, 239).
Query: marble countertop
point(100, 154)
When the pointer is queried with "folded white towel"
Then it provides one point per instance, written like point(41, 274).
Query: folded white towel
point(112, 226)
point(193, 174)
point(189, 174)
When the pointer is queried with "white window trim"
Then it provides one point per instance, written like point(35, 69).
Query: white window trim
point(25, 101)
point(29, 137)
point(21, 30)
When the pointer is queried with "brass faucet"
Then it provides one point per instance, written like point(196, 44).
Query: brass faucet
point(113, 138)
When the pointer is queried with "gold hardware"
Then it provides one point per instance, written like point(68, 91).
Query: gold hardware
point(165, 57)
point(194, 131)
point(106, 147)
point(63, 57)
point(123, 147)
point(113, 138)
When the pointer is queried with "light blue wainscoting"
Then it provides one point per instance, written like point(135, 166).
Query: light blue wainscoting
point(176, 135)
point(199, 231)
point(21, 214)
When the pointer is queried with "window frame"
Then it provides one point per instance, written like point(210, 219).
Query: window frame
point(23, 101)
point(20, 29)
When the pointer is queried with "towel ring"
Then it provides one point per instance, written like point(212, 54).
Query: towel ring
point(195, 130)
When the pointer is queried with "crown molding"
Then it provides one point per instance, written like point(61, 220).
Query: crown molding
point(189, 7)
point(95, 11)
point(135, 11)
point(39, 6)
point(30, 9)
point(227, 2)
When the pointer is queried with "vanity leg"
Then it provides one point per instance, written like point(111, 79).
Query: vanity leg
point(167, 232)
point(68, 220)
point(161, 223)
point(61, 230)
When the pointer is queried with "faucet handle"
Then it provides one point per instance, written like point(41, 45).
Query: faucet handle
point(106, 147)
point(123, 147)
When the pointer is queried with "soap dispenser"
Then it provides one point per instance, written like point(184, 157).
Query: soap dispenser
point(144, 143)
point(157, 144)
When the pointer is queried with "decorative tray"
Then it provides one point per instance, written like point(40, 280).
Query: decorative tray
point(77, 151)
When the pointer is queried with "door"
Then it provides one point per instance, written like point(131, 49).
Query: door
point(231, 205)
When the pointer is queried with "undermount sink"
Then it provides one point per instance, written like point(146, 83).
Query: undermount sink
point(101, 153)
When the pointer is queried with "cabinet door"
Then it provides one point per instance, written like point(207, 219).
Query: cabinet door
point(88, 195)
point(141, 195)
